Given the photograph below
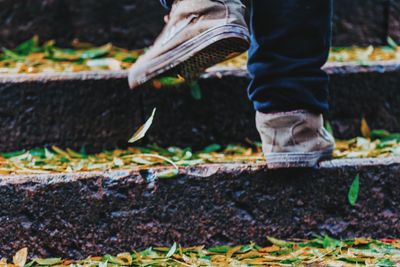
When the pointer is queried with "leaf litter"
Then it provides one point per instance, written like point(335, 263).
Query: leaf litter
point(33, 56)
point(378, 144)
point(320, 251)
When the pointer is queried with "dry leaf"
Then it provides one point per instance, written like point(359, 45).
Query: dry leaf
point(315, 252)
point(361, 241)
point(20, 257)
point(365, 130)
point(141, 132)
point(125, 257)
point(273, 248)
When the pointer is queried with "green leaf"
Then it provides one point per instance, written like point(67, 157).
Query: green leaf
point(11, 55)
point(172, 251)
point(13, 154)
point(378, 134)
point(247, 248)
point(331, 242)
point(212, 148)
point(29, 264)
point(60, 151)
point(392, 43)
point(289, 261)
point(195, 90)
point(112, 259)
point(141, 132)
point(96, 52)
point(352, 260)
point(167, 174)
point(48, 154)
point(385, 262)
point(392, 137)
point(280, 243)
point(129, 59)
point(74, 154)
point(354, 191)
point(328, 127)
point(62, 54)
point(38, 152)
point(64, 160)
point(219, 249)
point(49, 261)
point(83, 152)
point(170, 81)
point(28, 46)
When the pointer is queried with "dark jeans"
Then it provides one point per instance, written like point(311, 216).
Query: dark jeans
point(289, 44)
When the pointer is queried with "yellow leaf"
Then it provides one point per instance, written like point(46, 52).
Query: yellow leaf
point(270, 249)
point(141, 132)
point(126, 257)
point(250, 254)
point(232, 251)
point(361, 241)
point(365, 130)
point(20, 257)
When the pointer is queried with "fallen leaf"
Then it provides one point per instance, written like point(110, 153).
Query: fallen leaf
point(354, 191)
point(49, 261)
point(365, 130)
point(196, 90)
point(270, 249)
point(167, 174)
point(361, 241)
point(125, 257)
point(392, 43)
point(141, 132)
point(277, 242)
point(171, 251)
point(20, 257)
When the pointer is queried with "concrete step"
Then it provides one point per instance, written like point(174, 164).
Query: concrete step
point(81, 214)
point(135, 23)
point(97, 110)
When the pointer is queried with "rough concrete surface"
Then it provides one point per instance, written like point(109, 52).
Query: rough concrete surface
point(128, 23)
point(88, 113)
point(394, 20)
point(360, 22)
point(135, 23)
point(76, 215)
point(97, 110)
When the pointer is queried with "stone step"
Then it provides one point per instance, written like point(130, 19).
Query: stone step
point(97, 109)
point(80, 214)
point(135, 23)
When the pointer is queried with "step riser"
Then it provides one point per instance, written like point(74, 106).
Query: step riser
point(80, 215)
point(135, 24)
point(101, 112)
point(98, 114)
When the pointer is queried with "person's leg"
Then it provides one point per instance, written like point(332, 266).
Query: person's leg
point(290, 43)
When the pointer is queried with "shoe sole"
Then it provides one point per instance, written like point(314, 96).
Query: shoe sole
point(192, 58)
point(297, 160)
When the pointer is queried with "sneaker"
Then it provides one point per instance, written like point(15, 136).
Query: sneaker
point(198, 35)
point(295, 139)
